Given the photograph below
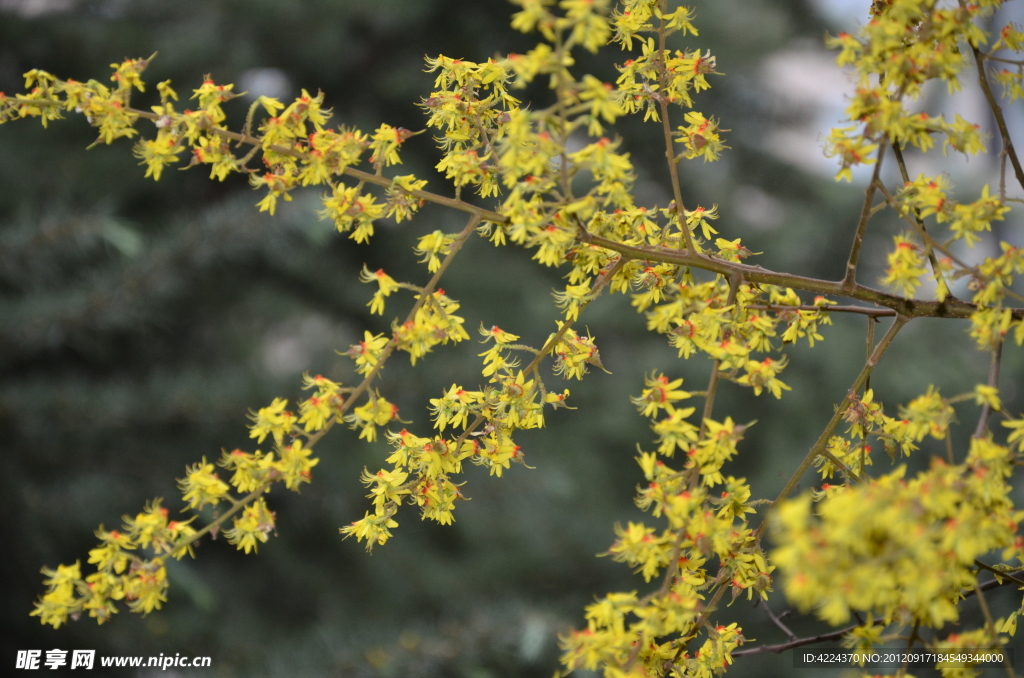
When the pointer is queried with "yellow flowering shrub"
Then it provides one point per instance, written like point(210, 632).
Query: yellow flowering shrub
point(897, 553)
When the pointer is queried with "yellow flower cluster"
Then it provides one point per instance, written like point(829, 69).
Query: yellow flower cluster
point(122, 570)
point(647, 633)
point(422, 468)
point(902, 550)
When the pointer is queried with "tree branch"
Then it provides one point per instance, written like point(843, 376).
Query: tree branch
point(823, 439)
point(993, 381)
point(778, 622)
point(796, 642)
point(920, 222)
point(870, 312)
point(709, 399)
point(850, 277)
point(911, 308)
point(997, 112)
point(666, 129)
point(833, 635)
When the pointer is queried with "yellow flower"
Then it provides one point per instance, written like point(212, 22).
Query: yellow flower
point(201, 486)
point(271, 420)
point(385, 143)
point(660, 393)
point(252, 527)
point(295, 465)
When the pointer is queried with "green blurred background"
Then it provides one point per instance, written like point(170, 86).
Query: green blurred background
point(139, 321)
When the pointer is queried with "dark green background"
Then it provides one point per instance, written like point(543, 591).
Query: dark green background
point(139, 321)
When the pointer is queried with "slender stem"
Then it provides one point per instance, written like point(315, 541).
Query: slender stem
point(918, 226)
point(671, 571)
point(427, 290)
point(997, 573)
point(822, 441)
point(846, 470)
point(920, 222)
point(1016, 62)
point(833, 635)
point(563, 161)
point(595, 291)
point(931, 242)
point(778, 622)
point(216, 522)
point(1002, 177)
point(850, 278)
point(701, 620)
point(997, 112)
point(392, 344)
point(870, 312)
point(709, 399)
point(484, 214)
point(910, 643)
point(993, 381)
point(991, 628)
point(487, 141)
point(666, 129)
point(911, 308)
point(796, 642)
point(870, 348)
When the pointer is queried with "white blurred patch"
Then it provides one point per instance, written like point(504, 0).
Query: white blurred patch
point(805, 85)
point(801, 148)
point(845, 14)
point(265, 82)
point(806, 76)
point(536, 632)
point(757, 209)
point(294, 346)
point(29, 9)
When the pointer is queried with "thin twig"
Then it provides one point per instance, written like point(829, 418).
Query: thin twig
point(778, 622)
point(916, 224)
point(428, 290)
point(993, 382)
point(870, 348)
point(990, 626)
point(216, 522)
point(796, 642)
point(998, 573)
point(833, 635)
point(355, 393)
point(666, 129)
point(863, 310)
point(997, 112)
point(1015, 62)
point(910, 643)
point(822, 441)
point(932, 242)
point(1002, 177)
point(920, 222)
point(701, 620)
point(709, 399)
point(850, 277)
point(596, 289)
point(911, 308)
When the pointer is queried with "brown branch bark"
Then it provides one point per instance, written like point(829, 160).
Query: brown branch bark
point(822, 441)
